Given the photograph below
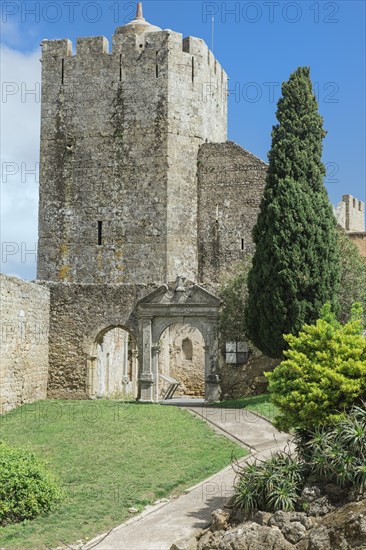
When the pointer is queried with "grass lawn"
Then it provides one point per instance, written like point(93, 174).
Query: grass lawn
point(109, 456)
point(260, 404)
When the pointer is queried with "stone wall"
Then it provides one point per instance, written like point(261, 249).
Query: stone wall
point(230, 187)
point(355, 214)
point(24, 342)
point(340, 214)
point(80, 314)
point(248, 379)
point(359, 239)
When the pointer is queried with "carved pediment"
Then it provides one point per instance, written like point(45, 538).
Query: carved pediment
point(181, 293)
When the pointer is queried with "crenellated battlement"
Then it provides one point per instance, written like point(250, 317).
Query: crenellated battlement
point(195, 46)
point(155, 57)
point(57, 48)
point(163, 41)
point(350, 214)
point(355, 213)
point(90, 46)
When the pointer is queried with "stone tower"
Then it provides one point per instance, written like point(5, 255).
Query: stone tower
point(120, 133)
point(144, 208)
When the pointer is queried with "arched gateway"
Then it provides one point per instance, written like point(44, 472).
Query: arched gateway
point(191, 305)
point(112, 365)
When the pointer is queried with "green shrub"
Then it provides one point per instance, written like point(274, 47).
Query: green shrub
point(27, 488)
point(324, 372)
point(272, 485)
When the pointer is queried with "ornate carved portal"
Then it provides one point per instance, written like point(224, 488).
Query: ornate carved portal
point(183, 303)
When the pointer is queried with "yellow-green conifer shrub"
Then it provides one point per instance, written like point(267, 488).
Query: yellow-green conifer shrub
point(323, 374)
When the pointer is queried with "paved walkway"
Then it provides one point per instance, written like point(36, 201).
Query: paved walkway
point(159, 526)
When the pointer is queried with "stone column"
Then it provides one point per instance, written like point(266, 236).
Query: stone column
point(134, 371)
point(146, 376)
point(212, 378)
point(125, 377)
point(91, 377)
point(155, 370)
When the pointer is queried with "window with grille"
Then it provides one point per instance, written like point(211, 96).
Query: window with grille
point(236, 353)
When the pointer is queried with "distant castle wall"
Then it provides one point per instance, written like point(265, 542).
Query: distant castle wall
point(25, 309)
point(182, 357)
point(350, 214)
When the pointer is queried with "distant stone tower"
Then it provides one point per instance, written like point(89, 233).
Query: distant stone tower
point(350, 215)
point(120, 134)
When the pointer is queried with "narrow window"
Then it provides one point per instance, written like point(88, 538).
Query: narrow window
point(192, 69)
point(120, 67)
point(62, 70)
point(156, 66)
point(354, 203)
point(360, 206)
point(242, 244)
point(100, 233)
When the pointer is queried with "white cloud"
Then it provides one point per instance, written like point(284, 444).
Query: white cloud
point(20, 131)
point(10, 33)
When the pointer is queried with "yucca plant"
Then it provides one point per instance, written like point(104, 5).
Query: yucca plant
point(283, 496)
point(338, 454)
point(272, 485)
point(360, 477)
point(335, 454)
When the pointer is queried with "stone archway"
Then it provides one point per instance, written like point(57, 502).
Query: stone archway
point(112, 366)
point(186, 304)
point(182, 358)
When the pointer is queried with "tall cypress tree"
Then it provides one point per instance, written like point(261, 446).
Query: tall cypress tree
point(296, 263)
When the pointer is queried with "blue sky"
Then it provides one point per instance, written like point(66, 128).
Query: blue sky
point(259, 43)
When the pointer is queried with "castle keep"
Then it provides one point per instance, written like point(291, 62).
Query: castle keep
point(120, 135)
point(145, 208)
point(139, 215)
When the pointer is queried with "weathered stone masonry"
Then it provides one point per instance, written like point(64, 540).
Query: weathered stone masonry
point(230, 188)
point(79, 313)
point(25, 309)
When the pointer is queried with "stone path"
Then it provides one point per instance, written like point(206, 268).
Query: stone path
point(159, 526)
